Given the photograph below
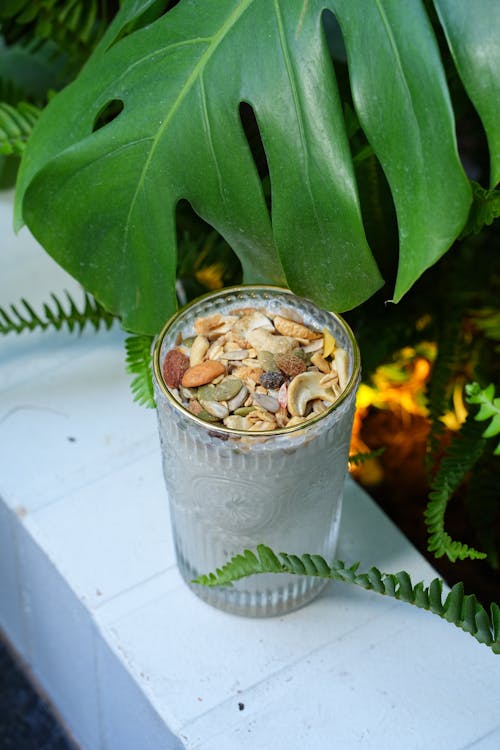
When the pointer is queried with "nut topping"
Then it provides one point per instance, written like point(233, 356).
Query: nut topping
point(304, 388)
point(203, 373)
point(175, 365)
point(255, 371)
point(290, 364)
point(342, 366)
point(262, 340)
point(295, 330)
point(199, 348)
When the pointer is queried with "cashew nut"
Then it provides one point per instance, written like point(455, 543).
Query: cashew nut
point(304, 388)
point(262, 340)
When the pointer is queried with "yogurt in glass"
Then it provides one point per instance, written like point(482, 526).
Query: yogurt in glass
point(236, 483)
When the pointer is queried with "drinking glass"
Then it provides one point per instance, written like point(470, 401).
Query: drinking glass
point(231, 490)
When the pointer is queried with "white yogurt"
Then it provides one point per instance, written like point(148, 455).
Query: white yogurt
point(231, 491)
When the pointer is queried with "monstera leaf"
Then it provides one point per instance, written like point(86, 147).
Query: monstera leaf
point(101, 198)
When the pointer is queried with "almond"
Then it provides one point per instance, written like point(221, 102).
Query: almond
point(202, 373)
point(174, 366)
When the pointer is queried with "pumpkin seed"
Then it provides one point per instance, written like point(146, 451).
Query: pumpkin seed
point(207, 392)
point(204, 414)
point(227, 389)
point(244, 411)
point(267, 361)
point(188, 393)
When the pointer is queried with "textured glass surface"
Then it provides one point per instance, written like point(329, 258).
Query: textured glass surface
point(231, 490)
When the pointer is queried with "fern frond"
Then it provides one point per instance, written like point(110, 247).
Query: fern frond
point(449, 356)
point(360, 458)
point(487, 321)
point(74, 25)
point(465, 449)
point(16, 319)
point(484, 210)
point(460, 609)
point(16, 124)
point(489, 408)
point(138, 361)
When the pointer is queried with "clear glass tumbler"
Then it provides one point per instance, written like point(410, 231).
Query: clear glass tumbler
point(231, 490)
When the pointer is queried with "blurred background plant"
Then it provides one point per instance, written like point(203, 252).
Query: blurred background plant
point(437, 470)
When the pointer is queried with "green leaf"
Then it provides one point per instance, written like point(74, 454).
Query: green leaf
point(489, 408)
point(33, 68)
point(138, 362)
point(16, 124)
point(22, 317)
point(357, 459)
point(403, 105)
point(181, 79)
point(472, 30)
point(182, 138)
point(484, 210)
point(460, 609)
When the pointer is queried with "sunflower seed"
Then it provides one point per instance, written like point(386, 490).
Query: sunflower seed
point(238, 400)
point(215, 408)
point(267, 402)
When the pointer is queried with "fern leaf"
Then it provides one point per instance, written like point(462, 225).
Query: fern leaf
point(22, 317)
point(484, 210)
point(138, 363)
point(449, 356)
point(466, 448)
point(360, 458)
point(75, 25)
point(489, 408)
point(16, 124)
point(460, 609)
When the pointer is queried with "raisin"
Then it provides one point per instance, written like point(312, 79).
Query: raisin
point(272, 380)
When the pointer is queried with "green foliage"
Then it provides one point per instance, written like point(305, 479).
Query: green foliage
point(472, 33)
point(205, 262)
point(138, 359)
point(56, 314)
point(465, 449)
point(487, 321)
point(489, 409)
point(74, 25)
point(462, 301)
point(460, 609)
point(360, 458)
point(484, 210)
point(16, 124)
point(179, 135)
point(450, 354)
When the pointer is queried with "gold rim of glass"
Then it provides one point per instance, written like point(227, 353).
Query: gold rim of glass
point(213, 426)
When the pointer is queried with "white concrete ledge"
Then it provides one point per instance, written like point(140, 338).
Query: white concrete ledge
point(91, 599)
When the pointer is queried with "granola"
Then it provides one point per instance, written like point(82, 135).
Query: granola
point(255, 371)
